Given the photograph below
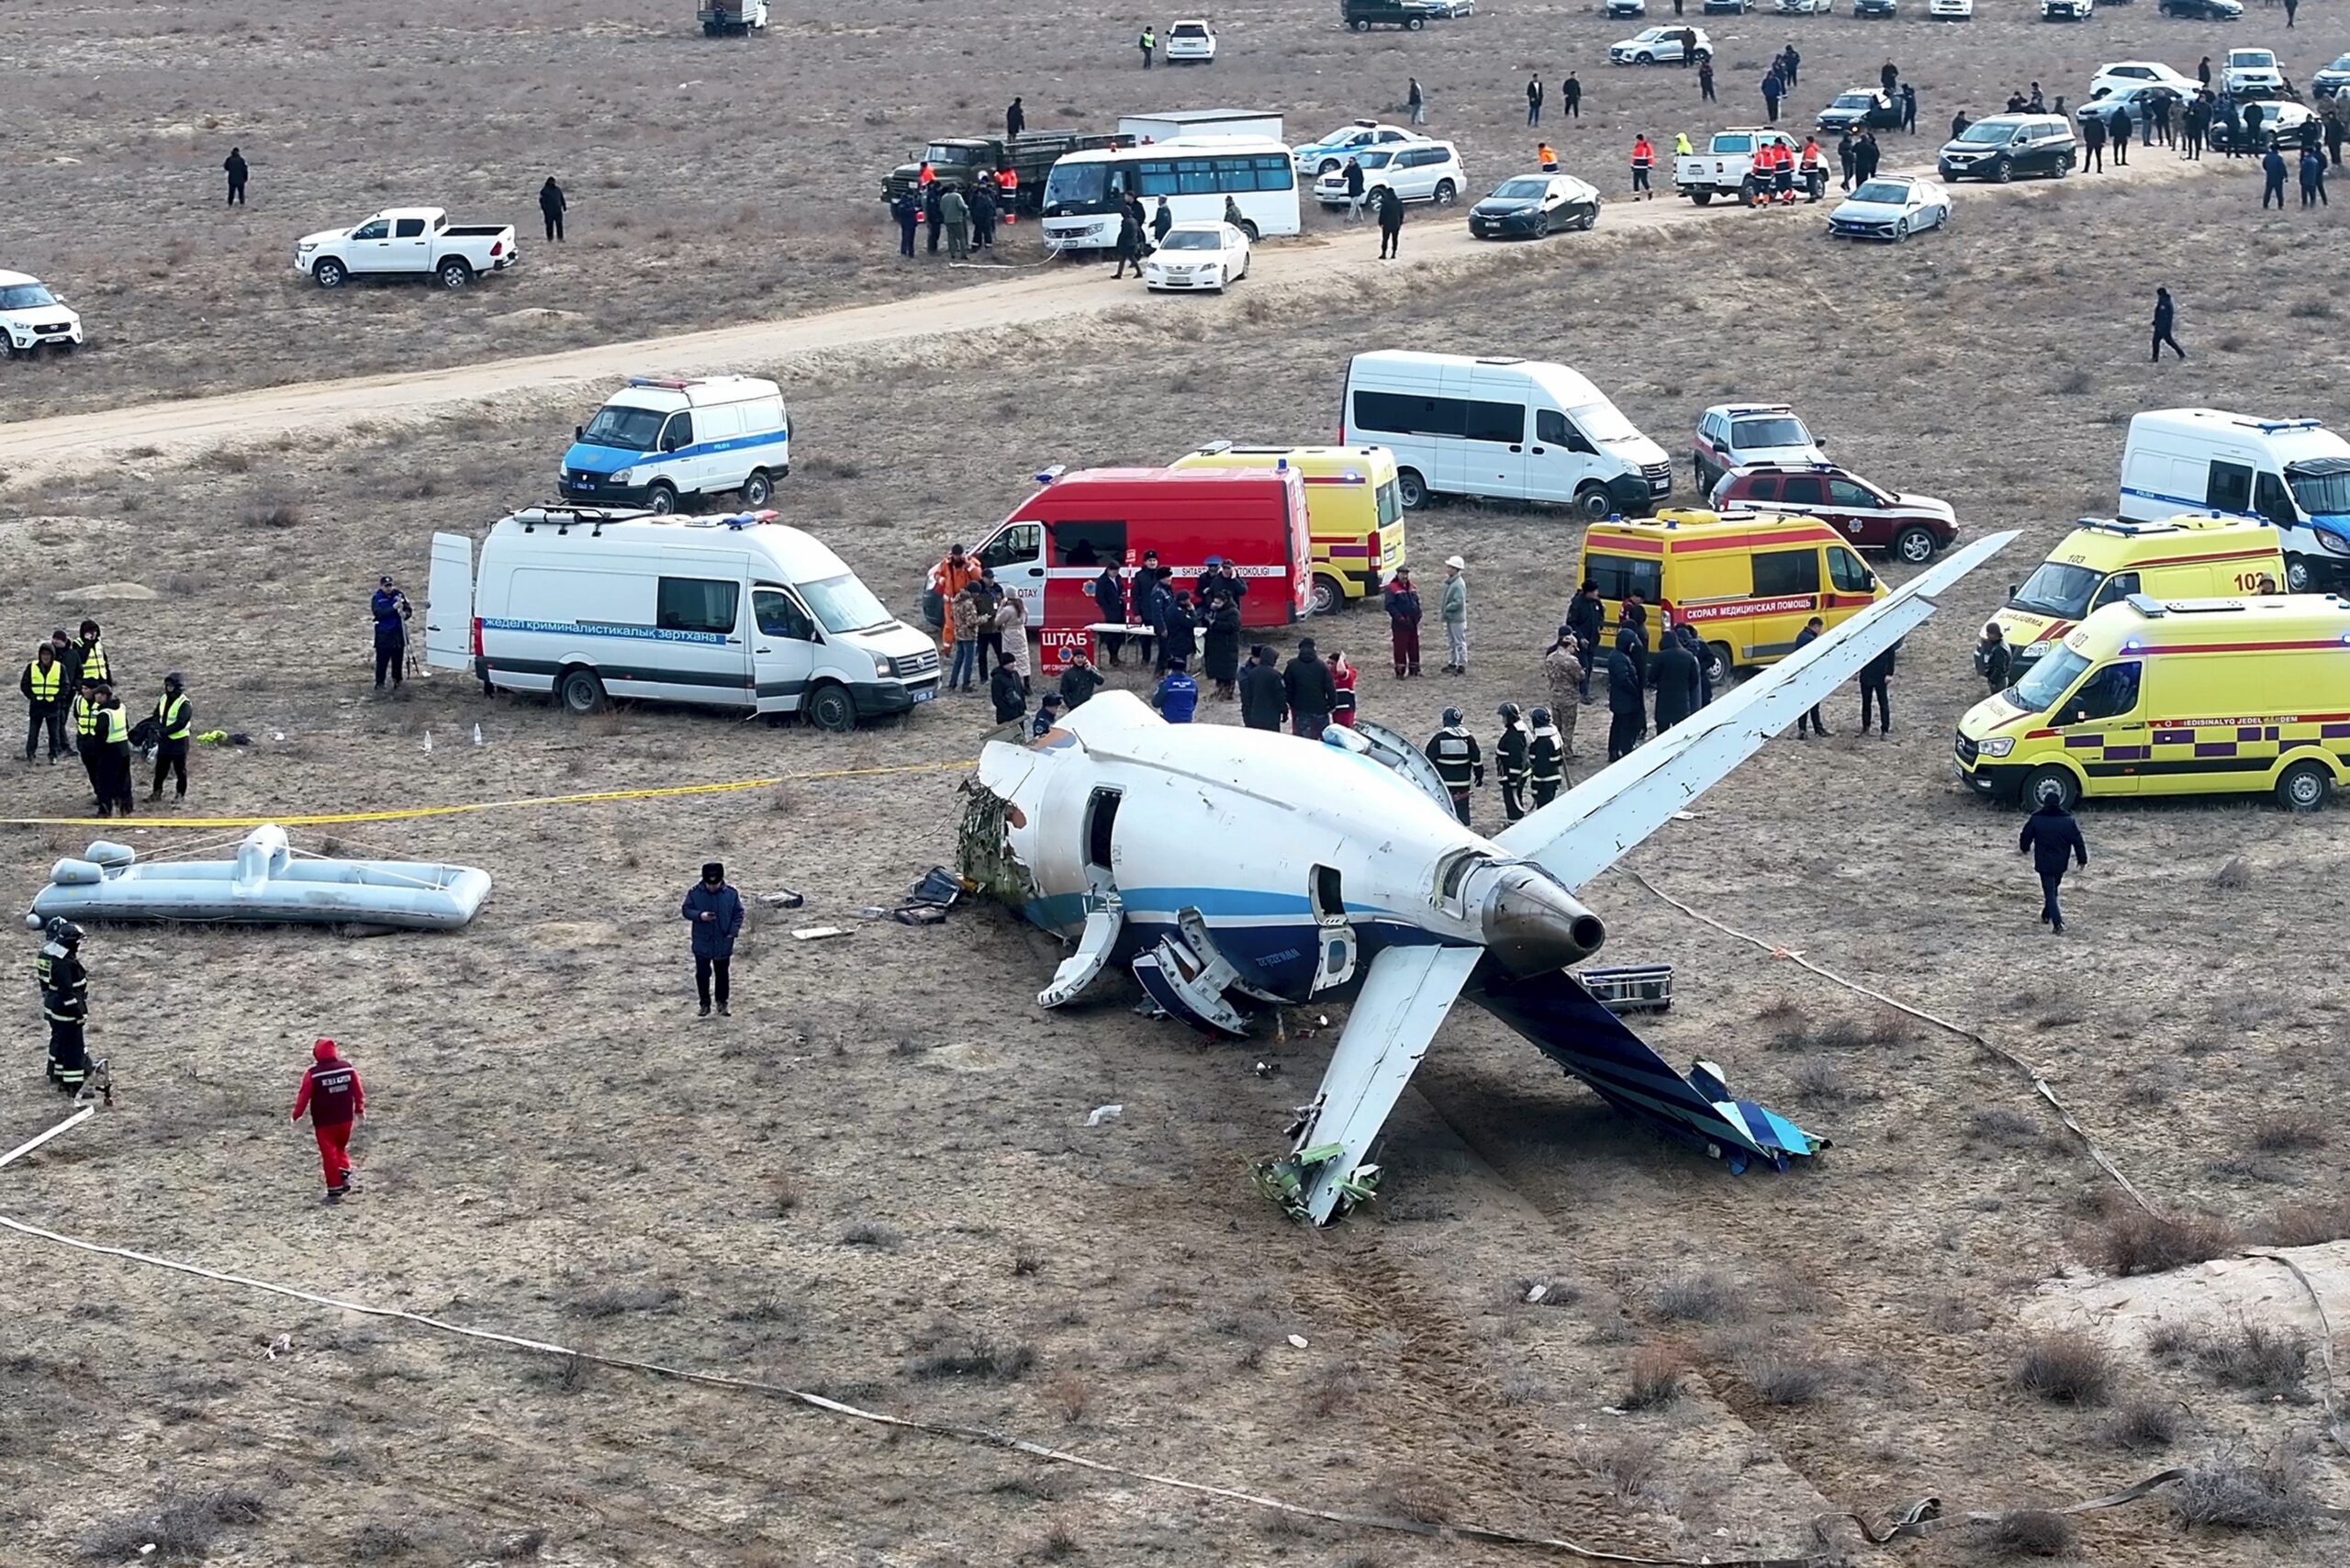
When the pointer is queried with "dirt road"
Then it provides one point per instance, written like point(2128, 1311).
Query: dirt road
point(80, 443)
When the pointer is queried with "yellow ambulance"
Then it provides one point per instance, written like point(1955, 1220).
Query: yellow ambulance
point(2178, 697)
point(1354, 512)
point(1746, 581)
point(2102, 562)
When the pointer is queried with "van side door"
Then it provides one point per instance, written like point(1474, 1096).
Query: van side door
point(1016, 555)
point(783, 648)
point(677, 434)
point(719, 464)
point(2104, 728)
point(1560, 459)
point(696, 653)
point(2228, 489)
point(1787, 594)
point(1493, 448)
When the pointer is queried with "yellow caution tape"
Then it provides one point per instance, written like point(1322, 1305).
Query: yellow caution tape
point(329, 818)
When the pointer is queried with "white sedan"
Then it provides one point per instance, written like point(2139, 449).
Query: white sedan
point(1891, 206)
point(1198, 255)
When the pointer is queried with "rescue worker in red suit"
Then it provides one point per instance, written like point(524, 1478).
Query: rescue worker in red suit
point(332, 1097)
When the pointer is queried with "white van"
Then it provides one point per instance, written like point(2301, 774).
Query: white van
point(660, 440)
point(586, 602)
point(2292, 473)
point(1512, 428)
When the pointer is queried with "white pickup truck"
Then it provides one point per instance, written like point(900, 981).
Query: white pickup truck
point(406, 242)
point(1722, 169)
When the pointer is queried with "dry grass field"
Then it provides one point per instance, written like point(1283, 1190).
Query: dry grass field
point(875, 1182)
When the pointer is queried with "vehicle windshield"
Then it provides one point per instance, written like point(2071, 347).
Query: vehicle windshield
point(2056, 589)
point(1343, 135)
point(2341, 62)
point(1191, 240)
point(2320, 494)
point(1076, 184)
point(947, 152)
point(2251, 59)
point(1730, 143)
point(631, 430)
point(25, 297)
point(2047, 681)
point(1984, 133)
point(1851, 101)
point(844, 604)
point(1783, 431)
point(1374, 158)
point(1523, 189)
point(1603, 422)
point(1883, 191)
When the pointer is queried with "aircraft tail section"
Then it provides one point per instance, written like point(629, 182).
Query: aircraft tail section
point(1572, 1028)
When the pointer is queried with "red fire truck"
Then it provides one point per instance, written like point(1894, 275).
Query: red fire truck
point(1057, 543)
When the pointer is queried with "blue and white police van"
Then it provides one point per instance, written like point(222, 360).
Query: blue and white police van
point(663, 440)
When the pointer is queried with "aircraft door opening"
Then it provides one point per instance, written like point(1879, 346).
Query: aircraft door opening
point(1336, 963)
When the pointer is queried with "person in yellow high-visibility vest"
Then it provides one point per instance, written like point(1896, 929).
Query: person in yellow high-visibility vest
point(174, 722)
point(113, 734)
point(84, 726)
point(45, 690)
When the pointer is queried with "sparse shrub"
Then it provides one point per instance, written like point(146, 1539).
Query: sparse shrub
point(1519, 1388)
point(2001, 1126)
point(2234, 1493)
point(2310, 310)
point(1026, 1259)
point(2285, 1135)
point(2308, 1224)
point(2233, 876)
point(1067, 1397)
point(181, 1530)
point(1419, 1498)
point(377, 1539)
point(2258, 1358)
point(2072, 383)
point(2144, 1424)
point(2066, 1368)
point(1817, 1078)
point(619, 1301)
point(871, 1232)
point(1696, 1296)
point(1842, 1034)
point(2029, 1532)
point(975, 1358)
point(1629, 1464)
point(1780, 1379)
point(2135, 1242)
point(1059, 1545)
point(1335, 1389)
point(1655, 1380)
point(783, 1193)
point(272, 514)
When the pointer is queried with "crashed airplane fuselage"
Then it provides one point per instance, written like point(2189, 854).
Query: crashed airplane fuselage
point(1230, 869)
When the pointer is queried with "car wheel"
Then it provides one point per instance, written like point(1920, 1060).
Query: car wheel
point(2304, 787)
point(2002, 172)
point(1595, 503)
point(1446, 195)
point(1328, 596)
point(1411, 489)
point(1329, 166)
point(1900, 230)
point(1644, 58)
point(455, 272)
point(2051, 784)
point(1703, 198)
point(580, 692)
point(1720, 669)
point(758, 490)
point(830, 707)
point(2298, 578)
point(1413, 25)
point(1541, 226)
point(1915, 546)
point(661, 501)
point(1361, 26)
point(1249, 229)
point(329, 274)
point(1591, 219)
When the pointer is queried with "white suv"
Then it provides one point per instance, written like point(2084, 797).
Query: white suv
point(1190, 42)
point(33, 318)
point(1416, 171)
point(2252, 70)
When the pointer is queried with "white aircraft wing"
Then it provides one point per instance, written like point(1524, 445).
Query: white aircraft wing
point(1593, 826)
point(1405, 998)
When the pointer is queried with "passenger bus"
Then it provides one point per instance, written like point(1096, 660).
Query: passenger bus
point(1196, 175)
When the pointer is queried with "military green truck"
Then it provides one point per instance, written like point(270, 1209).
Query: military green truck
point(955, 162)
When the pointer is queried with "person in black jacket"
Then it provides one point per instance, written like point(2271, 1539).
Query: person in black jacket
point(1221, 650)
point(1512, 757)
point(933, 218)
point(1177, 631)
point(1402, 604)
point(1354, 190)
point(1264, 695)
point(1015, 120)
point(1080, 681)
point(1876, 677)
point(1704, 656)
point(1311, 692)
point(1390, 223)
point(1109, 598)
point(1676, 683)
point(1811, 722)
point(2166, 317)
point(1627, 710)
point(235, 167)
point(1992, 660)
point(2053, 837)
point(1129, 242)
point(1004, 689)
point(551, 207)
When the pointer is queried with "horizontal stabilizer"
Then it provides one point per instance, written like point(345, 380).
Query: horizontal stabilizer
point(1573, 1029)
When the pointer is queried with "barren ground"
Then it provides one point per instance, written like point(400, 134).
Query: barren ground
point(875, 1181)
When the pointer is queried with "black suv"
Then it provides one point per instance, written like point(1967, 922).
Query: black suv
point(2001, 147)
point(1364, 15)
point(1859, 109)
point(1873, 7)
point(1727, 7)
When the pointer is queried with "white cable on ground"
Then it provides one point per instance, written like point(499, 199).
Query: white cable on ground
point(2039, 1084)
point(84, 1115)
